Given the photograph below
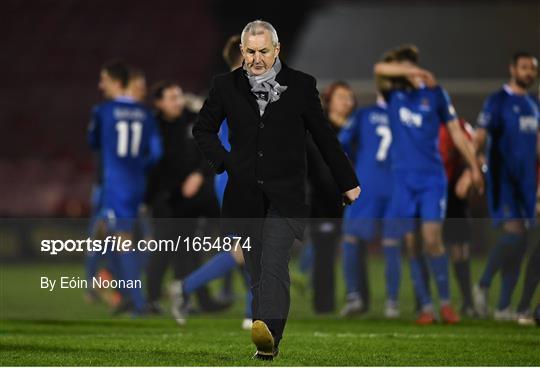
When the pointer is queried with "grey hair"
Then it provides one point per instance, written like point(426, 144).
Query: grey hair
point(257, 27)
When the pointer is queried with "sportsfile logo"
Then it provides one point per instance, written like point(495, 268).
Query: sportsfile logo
point(121, 244)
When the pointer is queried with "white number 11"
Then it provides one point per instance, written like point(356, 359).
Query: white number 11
point(122, 128)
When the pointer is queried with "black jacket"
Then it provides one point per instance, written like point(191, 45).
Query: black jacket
point(180, 157)
point(268, 153)
point(324, 196)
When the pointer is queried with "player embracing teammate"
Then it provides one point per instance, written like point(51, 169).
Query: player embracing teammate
point(416, 108)
point(125, 134)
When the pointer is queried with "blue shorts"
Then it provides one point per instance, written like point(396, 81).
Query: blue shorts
point(365, 217)
point(511, 199)
point(415, 194)
point(120, 213)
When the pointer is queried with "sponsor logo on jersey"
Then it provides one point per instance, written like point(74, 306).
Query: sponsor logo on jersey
point(528, 124)
point(410, 118)
point(378, 118)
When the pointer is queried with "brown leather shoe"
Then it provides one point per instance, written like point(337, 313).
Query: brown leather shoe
point(263, 340)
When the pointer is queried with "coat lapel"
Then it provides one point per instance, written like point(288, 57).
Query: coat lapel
point(282, 79)
point(245, 89)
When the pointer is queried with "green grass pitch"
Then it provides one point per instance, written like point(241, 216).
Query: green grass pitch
point(42, 328)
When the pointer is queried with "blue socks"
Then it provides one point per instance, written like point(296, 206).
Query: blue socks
point(306, 258)
point(248, 311)
point(131, 270)
point(392, 256)
point(351, 264)
point(439, 268)
point(498, 255)
point(216, 267)
point(510, 272)
point(91, 263)
point(419, 284)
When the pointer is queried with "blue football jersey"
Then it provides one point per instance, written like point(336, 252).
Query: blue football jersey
point(367, 139)
point(415, 116)
point(220, 180)
point(224, 135)
point(127, 137)
point(512, 122)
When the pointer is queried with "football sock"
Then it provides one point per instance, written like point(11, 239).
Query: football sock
point(439, 268)
point(420, 287)
point(131, 270)
point(462, 269)
point(248, 311)
point(351, 263)
point(363, 276)
point(306, 258)
point(392, 255)
point(501, 252)
point(532, 279)
point(92, 260)
point(227, 283)
point(510, 273)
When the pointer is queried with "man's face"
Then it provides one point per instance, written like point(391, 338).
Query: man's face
point(524, 72)
point(137, 88)
point(259, 53)
point(172, 103)
point(107, 85)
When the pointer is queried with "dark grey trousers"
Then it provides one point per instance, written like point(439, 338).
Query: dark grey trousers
point(267, 263)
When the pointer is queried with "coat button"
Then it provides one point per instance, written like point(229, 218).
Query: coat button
point(260, 153)
point(261, 182)
point(261, 125)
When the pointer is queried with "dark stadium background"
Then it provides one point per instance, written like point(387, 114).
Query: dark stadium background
point(52, 51)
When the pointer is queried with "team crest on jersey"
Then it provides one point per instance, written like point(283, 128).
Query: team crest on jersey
point(424, 105)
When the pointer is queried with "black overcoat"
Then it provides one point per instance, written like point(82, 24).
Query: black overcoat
point(268, 152)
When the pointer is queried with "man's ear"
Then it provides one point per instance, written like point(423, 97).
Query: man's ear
point(278, 48)
point(511, 69)
point(241, 50)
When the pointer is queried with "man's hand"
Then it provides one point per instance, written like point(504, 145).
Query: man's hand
point(477, 179)
point(464, 184)
point(192, 184)
point(351, 195)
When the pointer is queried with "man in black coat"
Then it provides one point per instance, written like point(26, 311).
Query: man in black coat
point(269, 107)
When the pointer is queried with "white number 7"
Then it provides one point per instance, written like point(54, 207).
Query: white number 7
point(386, 139)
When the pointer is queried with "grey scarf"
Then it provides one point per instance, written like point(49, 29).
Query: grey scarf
point(264, 86)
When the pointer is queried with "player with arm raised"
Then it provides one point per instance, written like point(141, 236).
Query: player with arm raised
point(416, 108)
